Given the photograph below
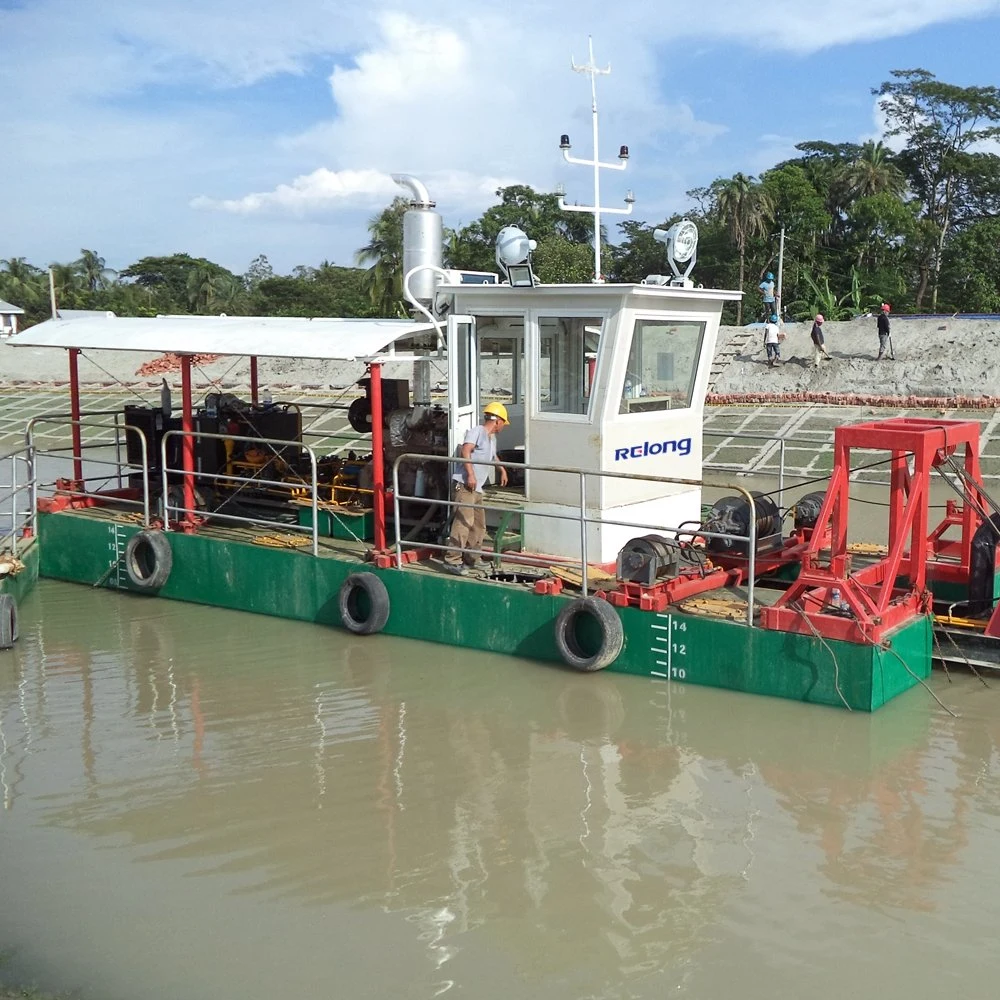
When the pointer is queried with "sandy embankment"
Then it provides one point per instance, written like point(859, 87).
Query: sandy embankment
point(934, 358)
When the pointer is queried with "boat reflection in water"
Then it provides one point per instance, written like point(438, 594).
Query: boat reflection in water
point(584, 834)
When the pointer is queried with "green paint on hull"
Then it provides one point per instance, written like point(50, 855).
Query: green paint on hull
point(20, 585)
point(226, 573)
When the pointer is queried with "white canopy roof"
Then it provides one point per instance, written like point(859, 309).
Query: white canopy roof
point(266, 337)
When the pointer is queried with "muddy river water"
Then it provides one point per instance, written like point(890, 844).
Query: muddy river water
point(200, 803)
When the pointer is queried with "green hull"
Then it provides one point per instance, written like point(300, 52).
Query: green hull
point(227, 573)
point(18, 586)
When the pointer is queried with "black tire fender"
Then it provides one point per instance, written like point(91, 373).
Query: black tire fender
point(612, 635)
point(8, 621)
point(148, 560)
point(364, 604)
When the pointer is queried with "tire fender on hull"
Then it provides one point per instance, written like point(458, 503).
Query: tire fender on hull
point(148, 560)
point(8, 621)
point(363, 602)
point(594, 614)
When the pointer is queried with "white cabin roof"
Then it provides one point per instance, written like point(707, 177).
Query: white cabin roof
point(8, 309)
point(266, 337)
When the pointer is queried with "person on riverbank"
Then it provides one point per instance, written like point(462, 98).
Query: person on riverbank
point(819, 341)
point(468, 524)
point(767, 291)
point(772, 340)
point(883, 331)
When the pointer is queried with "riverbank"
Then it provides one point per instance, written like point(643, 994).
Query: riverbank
point(935, 357)
point(932, 358)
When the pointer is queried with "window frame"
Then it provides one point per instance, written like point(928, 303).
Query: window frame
point(638, 318)
point(535, 361)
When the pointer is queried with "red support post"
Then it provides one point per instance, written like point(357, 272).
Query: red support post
point(254, 385)
point(74, 409)
point(378, 456)
point(187, 443)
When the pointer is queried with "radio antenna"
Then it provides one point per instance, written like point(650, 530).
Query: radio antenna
point(592, 70)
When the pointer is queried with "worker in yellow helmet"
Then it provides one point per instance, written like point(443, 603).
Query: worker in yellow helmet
point(468, 525)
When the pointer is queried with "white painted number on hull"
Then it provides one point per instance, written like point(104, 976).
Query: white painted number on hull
point(674, 648)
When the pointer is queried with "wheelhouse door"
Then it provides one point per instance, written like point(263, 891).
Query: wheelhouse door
point(463, 379)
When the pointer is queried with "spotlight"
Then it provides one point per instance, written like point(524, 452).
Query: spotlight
point(513, 256)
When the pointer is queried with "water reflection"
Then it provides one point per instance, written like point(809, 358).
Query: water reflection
point(594, 830)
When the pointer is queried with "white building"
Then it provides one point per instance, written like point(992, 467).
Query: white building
point(8, 318)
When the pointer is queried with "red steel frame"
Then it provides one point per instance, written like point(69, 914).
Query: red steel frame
point(872, 595)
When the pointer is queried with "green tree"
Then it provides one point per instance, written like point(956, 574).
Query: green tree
point(69, 285)
point(746, 209)
point(384, 256)
point(259, 270)
point(21, 283)
point(941, 124)
point(561, 261)
point(970, 279)
point(169, 279)
point(93, 270)
point(473, 247)
point(873, 171)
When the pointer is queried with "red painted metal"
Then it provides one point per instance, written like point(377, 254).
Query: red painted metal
point(378, 456)
point(993, 625)
point(188, 521)
point(74, 409)
point(883, 595)
point(71, 500)
point(549, 585)
point(254, 382)
point(678, 588)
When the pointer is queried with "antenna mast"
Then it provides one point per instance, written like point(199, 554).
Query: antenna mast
point(593, 71)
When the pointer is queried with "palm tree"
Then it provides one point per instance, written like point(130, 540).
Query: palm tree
point(225, 294)
point(21, 282)
point(746, 209)
point(91, 268)
point(384, 255)
point(873, 172)
point(199, 289)
point(68, 284)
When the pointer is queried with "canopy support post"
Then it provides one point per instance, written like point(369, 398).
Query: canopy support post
point(254, 384)
point(74, 409)
point(378, 456)
point(187, 444)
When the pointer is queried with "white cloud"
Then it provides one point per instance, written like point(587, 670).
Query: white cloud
point(123, 115)
point(320, 190)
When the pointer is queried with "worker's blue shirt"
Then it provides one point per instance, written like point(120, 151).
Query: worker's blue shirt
point(767, 288)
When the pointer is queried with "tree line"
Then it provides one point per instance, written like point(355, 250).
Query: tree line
point(915, 223)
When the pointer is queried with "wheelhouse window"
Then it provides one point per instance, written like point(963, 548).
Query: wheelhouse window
point(662, 366)
point(567, 354)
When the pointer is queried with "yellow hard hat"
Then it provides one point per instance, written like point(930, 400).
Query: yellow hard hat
point(497, 410)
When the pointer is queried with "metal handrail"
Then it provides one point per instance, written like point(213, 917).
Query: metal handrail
point(314, 484)
point(116, 443)
point(11, 491)
point(582, 516)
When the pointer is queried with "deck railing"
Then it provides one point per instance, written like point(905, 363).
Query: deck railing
point(580, 516)
point(239, 482)
point(120, 468)
point(17, 520)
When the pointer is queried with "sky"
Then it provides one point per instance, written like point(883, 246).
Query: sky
point(232, 128)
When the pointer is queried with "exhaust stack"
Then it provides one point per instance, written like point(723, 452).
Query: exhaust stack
point(423, 236)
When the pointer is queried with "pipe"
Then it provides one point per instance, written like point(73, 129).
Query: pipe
point(254, 384)
point(378, 455)
point(74, 408)
point(419, 195)
point(187, 443)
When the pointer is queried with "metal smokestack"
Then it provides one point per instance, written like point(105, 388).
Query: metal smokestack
point(423, 235)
